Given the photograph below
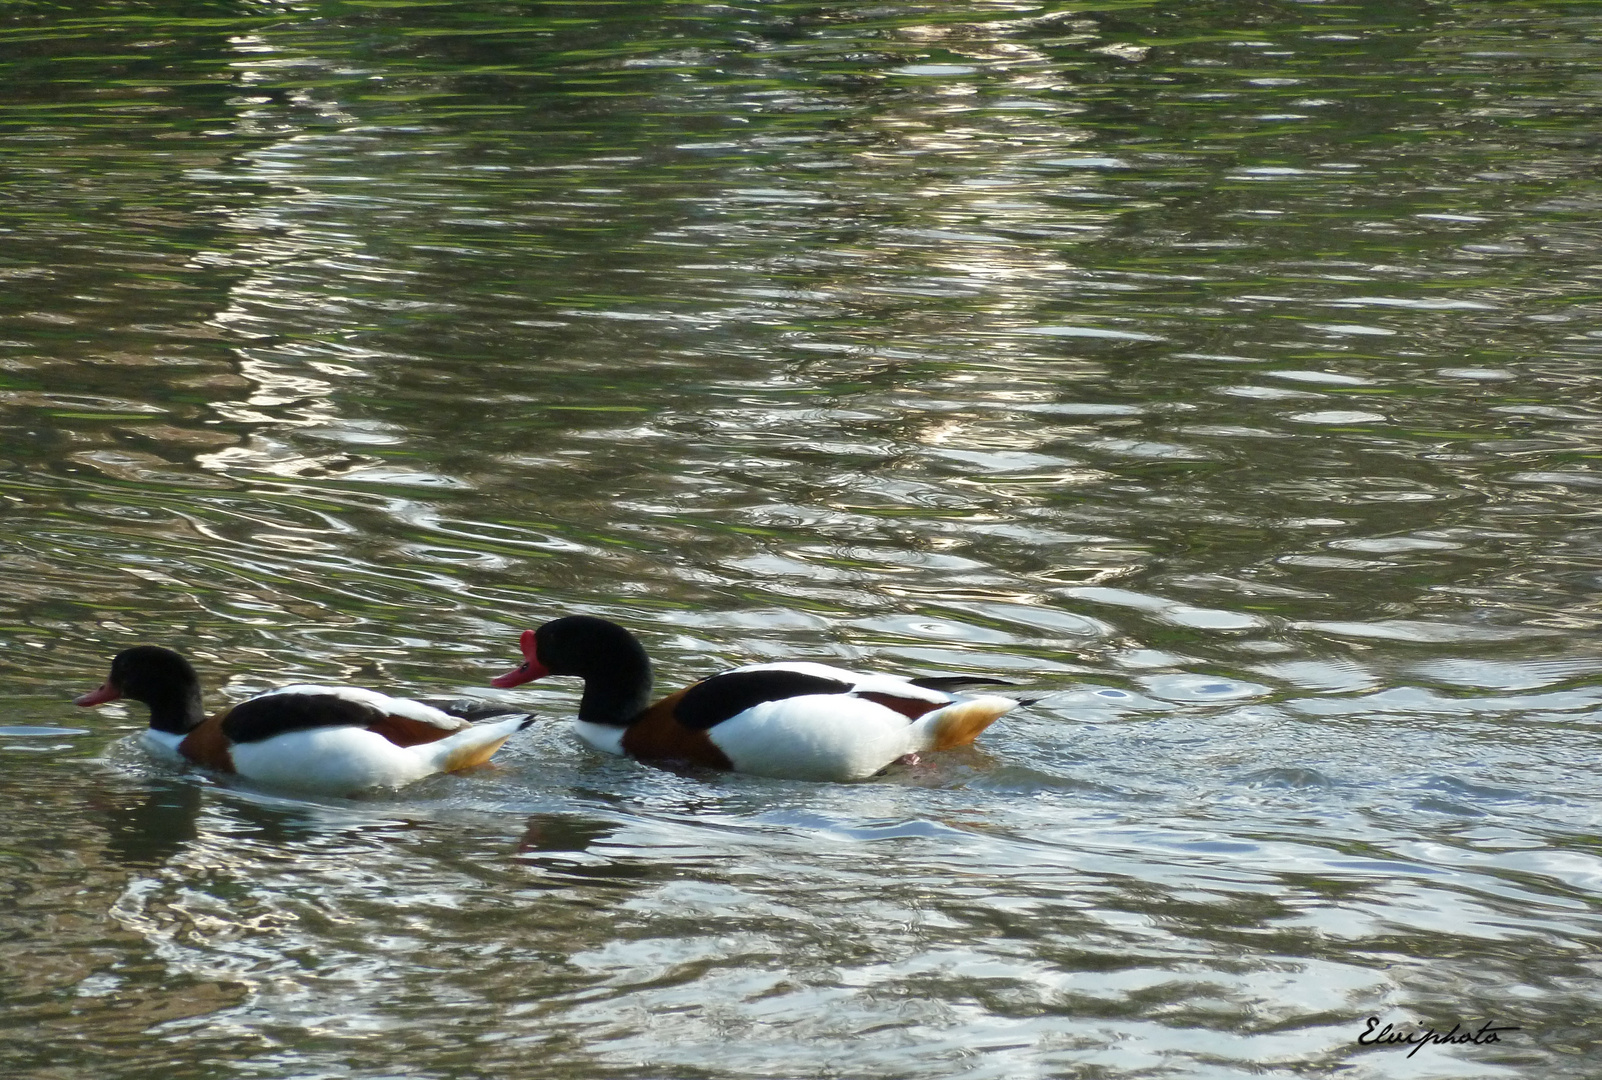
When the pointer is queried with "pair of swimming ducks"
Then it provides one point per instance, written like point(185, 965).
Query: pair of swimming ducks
point(794, 720)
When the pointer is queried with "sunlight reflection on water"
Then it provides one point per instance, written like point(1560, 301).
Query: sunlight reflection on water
point(1225, 382)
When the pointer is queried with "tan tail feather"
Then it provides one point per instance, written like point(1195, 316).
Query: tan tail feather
point(479, 743)
point(468, 756)
point(960, 724)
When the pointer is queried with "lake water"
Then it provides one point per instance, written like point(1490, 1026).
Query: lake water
point(1225, 372)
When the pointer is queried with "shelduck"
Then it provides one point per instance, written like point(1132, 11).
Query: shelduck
point(330, 739)
point(802, 721)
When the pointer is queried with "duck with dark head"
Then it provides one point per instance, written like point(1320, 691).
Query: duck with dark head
point(798, 720)
point(329, 739)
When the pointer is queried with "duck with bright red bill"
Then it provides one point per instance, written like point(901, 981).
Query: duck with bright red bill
point(800, 720)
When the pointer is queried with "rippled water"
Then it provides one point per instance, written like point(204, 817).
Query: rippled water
point(1223, 371)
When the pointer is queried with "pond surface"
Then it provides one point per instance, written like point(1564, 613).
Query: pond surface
point(1225, 372)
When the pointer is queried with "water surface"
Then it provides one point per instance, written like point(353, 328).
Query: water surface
point(1222, 371)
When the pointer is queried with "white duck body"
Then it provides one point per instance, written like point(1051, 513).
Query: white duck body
point(845, 736)
point(864, 723)
point(330, 739)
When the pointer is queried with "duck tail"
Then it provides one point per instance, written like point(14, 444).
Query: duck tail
point(472, 745)
point(959, 723)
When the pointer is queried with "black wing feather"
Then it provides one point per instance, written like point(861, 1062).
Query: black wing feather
point(710, 702)
point(956, 682)
point(473, 710)
point(274, 714)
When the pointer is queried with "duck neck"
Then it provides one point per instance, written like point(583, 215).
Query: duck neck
point(177, 713)
point(620, 694)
